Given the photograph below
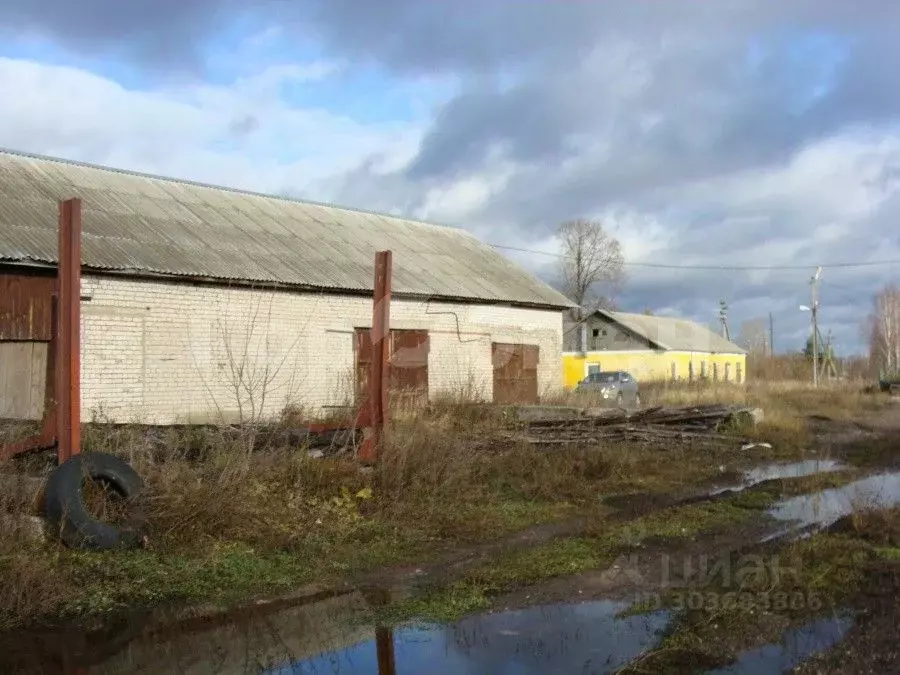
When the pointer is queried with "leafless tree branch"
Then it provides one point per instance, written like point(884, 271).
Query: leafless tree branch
point(591, 257)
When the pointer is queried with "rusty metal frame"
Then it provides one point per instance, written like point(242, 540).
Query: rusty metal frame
point(61, 424)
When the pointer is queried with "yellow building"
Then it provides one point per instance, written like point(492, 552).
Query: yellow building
point(650, 348)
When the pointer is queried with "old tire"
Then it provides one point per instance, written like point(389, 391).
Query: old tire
point(64, 504)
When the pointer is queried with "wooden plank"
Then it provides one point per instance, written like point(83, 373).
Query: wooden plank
point(22, 373)
point(38, 377)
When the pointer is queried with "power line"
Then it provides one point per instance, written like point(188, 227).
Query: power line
point(723, 268)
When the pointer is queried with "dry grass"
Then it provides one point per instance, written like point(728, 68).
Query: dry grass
point(222, 519)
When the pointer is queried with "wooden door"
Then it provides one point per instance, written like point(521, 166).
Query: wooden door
point(515, 372)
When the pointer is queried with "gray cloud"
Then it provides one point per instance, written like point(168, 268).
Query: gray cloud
point(692, 114)
point(161, 34)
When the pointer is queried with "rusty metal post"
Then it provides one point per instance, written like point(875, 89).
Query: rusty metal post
point(378, 398)
point(68, 340)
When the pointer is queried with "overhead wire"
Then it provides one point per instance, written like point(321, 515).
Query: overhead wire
point(724, 268)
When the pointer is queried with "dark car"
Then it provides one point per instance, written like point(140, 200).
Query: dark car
point(613, 386)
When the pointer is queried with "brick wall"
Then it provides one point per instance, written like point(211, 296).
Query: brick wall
point(159, 352)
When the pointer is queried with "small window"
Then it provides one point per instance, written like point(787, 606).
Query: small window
point(738, 374)
point(715, 372)
point(727, 372)
point(703, 369)
point(674, 371)
point(595, 332)
point(690, 371)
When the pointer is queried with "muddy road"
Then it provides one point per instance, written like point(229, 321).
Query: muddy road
point(776, 566)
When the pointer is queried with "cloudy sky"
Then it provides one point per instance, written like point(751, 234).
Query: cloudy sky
point(737, 134)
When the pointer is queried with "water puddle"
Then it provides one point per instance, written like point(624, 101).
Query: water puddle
point(575, 638)
point(332, 636)
point(761, 474)
point(796, 646)
point(821, 509)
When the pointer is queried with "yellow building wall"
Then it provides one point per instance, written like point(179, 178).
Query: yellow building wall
point(648, 366)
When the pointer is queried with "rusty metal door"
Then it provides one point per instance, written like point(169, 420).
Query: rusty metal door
point(515, 372)
point(408, 367)
point(26, 307)
point(407, 364)
point(362, 352)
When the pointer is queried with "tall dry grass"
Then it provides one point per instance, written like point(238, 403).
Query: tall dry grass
point(451, 471)
point(778, 398)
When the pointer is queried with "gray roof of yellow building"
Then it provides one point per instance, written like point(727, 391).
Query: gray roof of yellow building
point(674, 334)
point(138, 223)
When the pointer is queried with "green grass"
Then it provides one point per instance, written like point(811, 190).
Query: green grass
point(508, 572)
point(681, 522)
point(116, 581)
point(888, 552)
point(225, 527)
point(716, 620)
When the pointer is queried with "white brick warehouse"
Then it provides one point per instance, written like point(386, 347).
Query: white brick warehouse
point(203, 303)
point(162, 352)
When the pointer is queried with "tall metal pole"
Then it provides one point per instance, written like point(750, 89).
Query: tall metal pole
point(771, 336)
point(68, 357)
point(814, 283)
point(378, 401)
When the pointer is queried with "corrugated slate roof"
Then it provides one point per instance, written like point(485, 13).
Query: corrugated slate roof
point(673, 334)
point(139, 223)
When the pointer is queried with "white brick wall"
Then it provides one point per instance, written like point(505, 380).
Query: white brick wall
point(163, 352)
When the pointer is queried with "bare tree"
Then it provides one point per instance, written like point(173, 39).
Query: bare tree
point(884, 329)
point(591, 257)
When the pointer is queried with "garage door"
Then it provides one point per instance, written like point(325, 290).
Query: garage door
point(515, 372)
point(407, 365)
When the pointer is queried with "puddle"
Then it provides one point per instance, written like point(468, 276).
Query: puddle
point(328, 636)
point(796, 646)
point(821, 509)
point(580, 638)
point(760, 474)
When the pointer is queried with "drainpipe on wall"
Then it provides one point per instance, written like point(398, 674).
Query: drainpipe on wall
point(584, 348)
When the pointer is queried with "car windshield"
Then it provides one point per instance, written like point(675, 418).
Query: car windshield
point(605, 377)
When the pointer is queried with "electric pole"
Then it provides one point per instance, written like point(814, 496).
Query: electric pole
point(723, 317)
point(814, 310)
point(771, 336)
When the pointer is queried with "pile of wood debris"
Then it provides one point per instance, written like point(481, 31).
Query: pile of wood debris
point(704, 423)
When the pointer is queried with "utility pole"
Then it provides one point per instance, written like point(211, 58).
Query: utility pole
point(771, 336)
point(814, 310)
point(723, 317)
